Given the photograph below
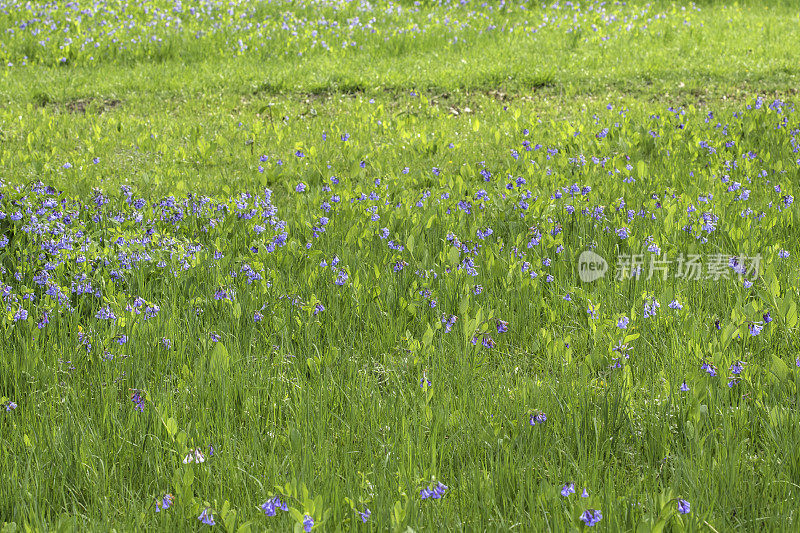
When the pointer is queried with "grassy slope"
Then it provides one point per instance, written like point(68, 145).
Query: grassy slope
point(725, 56)
point(176, 129)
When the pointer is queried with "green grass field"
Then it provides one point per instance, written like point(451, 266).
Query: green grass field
point(327, 265)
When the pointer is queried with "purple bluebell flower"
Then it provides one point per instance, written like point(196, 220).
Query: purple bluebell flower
point(222, 294)
point(166, 502)
point(623, 322)
point(538, 417)
point(271, 506)
point(590, 517)
point(708, 367)
point(308, 523)
point(584, 494)
point(137, 399)
point(683, 507)
point(105, 313)
point(684, 387)
point(651, 307)
point(206, 517)
point(365, 515)
point(568, 489)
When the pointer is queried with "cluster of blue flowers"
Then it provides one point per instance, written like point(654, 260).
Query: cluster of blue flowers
point(271, 506)
point(435, 492)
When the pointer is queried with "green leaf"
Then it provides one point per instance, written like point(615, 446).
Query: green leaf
point(172, 426)
point(427, 338)
point(220, 360)
point(780, 368)
point(453, 256)
point(188, 478)
point(641, 169)
point(791, 315)
point(629, 338)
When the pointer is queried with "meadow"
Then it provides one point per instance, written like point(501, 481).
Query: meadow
point(330, 265)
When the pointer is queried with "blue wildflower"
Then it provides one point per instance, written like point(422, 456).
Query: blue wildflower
point(590, 517)
point(271, 506)
point(137, 399)
point(538, 417)
point(206, 517)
